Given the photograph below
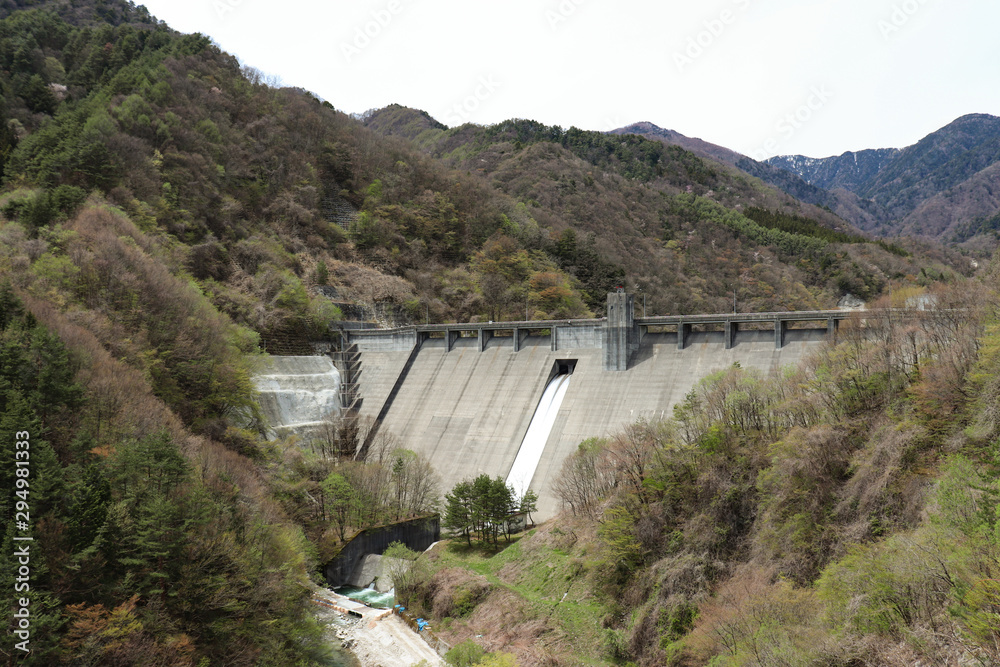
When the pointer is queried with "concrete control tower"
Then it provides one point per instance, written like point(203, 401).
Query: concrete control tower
point(621, 333)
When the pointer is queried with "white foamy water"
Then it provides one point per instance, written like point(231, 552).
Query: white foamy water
point(537, 434)
point(298, 393)
point(368, 596)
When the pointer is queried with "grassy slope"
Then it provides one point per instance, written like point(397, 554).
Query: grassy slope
point(543, 575)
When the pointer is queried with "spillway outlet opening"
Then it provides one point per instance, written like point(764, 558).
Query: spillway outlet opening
point(563, 367)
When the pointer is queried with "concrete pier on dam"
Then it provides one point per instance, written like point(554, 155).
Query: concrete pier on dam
point(463, 395)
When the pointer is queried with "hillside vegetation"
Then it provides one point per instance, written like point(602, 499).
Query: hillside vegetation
point(839, 513)
point(166, 216)
point(629, 196)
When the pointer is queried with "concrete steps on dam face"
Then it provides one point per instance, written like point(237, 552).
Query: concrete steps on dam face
point(467, 411)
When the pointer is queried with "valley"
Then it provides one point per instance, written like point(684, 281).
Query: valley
point(670, 405)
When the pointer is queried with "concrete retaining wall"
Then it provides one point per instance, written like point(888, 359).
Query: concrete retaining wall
point(381, 341)
point(417, 535)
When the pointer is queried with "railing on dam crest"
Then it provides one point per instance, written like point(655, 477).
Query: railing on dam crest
point(619, 334)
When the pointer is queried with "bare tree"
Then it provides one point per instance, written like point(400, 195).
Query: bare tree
point(630, 452)
point(583, 480)
point(415, 483)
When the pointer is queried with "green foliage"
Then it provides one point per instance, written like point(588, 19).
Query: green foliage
point(45, 206)
point(376, 190)
point(464, 601)
point(322, 314)
point(458, 510)
point(36, 371)
point(465, 654)
point(623, 551)
point(480, 507)
point(342, 501)
point(292, 295)
point(796, 224)
point(37, 95)
point(699, 209)
point(597, 276)
point(498, 659)
point(980, 613)
point(528, 504)
point(400, 551)
point(893, 248)
point(368, 232)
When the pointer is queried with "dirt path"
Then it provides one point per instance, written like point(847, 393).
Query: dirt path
point(389, 643)
point(375, 641)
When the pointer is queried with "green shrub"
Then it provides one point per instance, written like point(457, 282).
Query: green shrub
point(44, 206)
point(466, 654)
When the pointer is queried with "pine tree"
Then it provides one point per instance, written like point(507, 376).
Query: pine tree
point(529, 504)
point(458, 510)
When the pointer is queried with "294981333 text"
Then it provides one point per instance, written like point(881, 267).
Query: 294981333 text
point(22, 541)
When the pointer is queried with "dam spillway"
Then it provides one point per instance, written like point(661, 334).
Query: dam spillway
point(466, 401)
point(296, 394)
point(539, 429)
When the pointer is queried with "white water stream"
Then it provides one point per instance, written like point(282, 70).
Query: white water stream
point(298, 393)
point(535, 438)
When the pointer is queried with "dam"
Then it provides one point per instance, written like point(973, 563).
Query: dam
point(465, 395)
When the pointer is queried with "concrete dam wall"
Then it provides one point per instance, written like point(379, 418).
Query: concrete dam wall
point(466, 401)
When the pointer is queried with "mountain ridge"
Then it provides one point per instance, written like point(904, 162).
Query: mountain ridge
point(168, 217)
point(902, 183)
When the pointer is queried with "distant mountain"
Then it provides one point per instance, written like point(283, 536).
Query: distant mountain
point(852, 171)
point(941, 187)
point(839, 202)
point(673, 138)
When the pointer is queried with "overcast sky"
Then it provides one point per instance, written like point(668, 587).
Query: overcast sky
point(763, 77)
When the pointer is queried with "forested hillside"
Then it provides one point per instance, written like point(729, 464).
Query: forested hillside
point(671, 220)
point(166, 216)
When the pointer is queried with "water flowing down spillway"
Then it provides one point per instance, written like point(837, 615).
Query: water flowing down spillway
point(298, 393)
point(537, 435)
